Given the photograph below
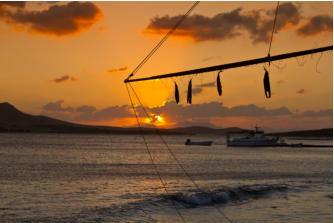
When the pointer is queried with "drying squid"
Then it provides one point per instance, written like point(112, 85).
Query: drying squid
point(177, 96)
point(266, 84)
point(189, 93)
point(219, 85)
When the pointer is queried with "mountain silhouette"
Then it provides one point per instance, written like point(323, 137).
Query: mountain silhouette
point(13, 120)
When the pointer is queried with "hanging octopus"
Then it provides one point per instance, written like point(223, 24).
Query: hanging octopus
point(177, 96)
point(266, 84)
point(219, 85)
point(189, 95)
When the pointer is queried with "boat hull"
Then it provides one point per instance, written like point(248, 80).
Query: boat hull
point(205, 143)
point(253, 142)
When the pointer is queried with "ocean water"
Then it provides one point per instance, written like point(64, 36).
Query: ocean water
point(110, 178)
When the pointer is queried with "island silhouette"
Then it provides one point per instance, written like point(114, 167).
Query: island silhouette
point(14, 120)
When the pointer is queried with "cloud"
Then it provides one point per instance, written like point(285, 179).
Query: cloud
point(85, 109)
point(209, 84)
point(301, 91)
point(57, 107)
point(316, 25)
point(199, 88)
point(106, 114)
point(212, 114)
point(57, 20)
point(216, 109)
point(197, 91)
point(64, 78)
point(116, 70)
point(102, 28)
point(280, 82)
point(328, 112)
point(210, 58)
point(228, 25)
point(15, 4)
point(190, 123)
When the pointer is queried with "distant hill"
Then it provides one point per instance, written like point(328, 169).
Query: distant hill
point(13, 120)
point(207, 130)
point(307, 133)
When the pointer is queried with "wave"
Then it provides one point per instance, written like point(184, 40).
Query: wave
point(226, 195)
point(147, 209)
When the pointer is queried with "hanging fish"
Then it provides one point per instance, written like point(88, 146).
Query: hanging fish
point(219, 85)
point(177, 96)
point(189, 93)
point(266, 84)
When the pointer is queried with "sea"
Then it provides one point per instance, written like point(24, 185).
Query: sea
point(116, 178)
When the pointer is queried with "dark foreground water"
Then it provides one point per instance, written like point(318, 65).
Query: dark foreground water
point(110, 178)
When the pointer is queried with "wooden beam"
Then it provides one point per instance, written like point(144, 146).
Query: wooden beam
point(233, 65)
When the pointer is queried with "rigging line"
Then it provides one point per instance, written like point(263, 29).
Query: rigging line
point(272, 33)
point(177, 161)
point(163, 40)
point(156, 130)
point(164, 185)
point(316, 67)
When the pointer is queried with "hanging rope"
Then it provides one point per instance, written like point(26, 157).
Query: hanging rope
point(272, 33)
point(175, 158)
point(316, 67)
point(164, 185)
point(163, 40)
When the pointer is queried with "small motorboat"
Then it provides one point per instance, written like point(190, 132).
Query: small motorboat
point(201, 143)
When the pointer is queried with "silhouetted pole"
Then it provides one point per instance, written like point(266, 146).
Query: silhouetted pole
point(233, 65)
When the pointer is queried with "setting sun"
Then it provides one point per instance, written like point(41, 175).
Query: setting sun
point(155, 120)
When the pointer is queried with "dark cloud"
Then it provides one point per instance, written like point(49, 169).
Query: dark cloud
point(229, 25)
point(316, 25)
point(209, 84)
point(85, 109)
point(87, 113)
point(321, 113)
point(58, 20)
point(106, 114)
point(190, 123)
point(15, 4)
point(116, 70)
point(215, 109)
point(212, 114)
point(210, 58)
point(255, 111)
point(199, 88)
point(288, 15)
point(57, 107)
point(63, 78)
point(301, 91)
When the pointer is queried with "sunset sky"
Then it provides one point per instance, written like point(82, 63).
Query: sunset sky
point(68, 60)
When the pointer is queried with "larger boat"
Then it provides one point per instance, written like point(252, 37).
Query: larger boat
point(254, 138)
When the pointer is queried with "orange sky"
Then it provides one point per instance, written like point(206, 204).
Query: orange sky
point(68, 61)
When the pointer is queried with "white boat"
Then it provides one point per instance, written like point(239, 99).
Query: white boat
point(201, 143)
point(254, 138)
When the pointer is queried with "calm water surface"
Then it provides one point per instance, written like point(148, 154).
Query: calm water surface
point(110, 178)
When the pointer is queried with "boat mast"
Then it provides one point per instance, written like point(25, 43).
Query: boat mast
point(233, 65)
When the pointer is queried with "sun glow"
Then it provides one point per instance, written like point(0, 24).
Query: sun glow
point(155, 120)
